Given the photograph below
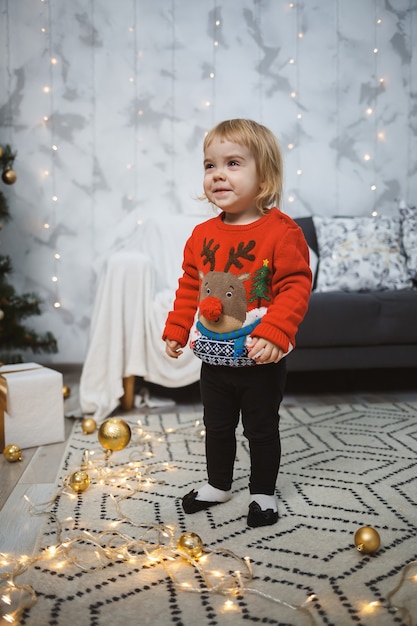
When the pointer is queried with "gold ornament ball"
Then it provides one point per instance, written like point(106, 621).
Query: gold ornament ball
point(12, 453)
point(114, 434)
point(191, 544)
point(9, 176)
point(79, 481)
point(66, 391)
point(367, 540)
point(88, 425)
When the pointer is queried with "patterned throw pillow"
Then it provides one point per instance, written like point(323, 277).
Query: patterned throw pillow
point(409, 236)
point(360, 254)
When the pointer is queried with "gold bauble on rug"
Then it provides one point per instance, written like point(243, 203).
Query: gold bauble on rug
point(79, 481)
point(88, 425)
point(367, 540)
point(114, 434)
point(191, 544)
point(12, 453)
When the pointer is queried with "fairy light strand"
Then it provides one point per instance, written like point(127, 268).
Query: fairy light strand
point(51, 222)
point(173, 92)
point(216, 29)
point(93, 204)
point(261, 74)
point(294, 95)
point(91, 552)
point(374, 108)
point(9, 121)
point(132, 165)
point(410, 136)
point(156, 541)
point(299, 37)
point(337, 111)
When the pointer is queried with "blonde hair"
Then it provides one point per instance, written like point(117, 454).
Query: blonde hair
point(265, 149)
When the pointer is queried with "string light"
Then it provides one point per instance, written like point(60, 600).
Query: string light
point(218, 571)
point(216, 33)
point(49, 173)
point(379, 85)
point(294, 95)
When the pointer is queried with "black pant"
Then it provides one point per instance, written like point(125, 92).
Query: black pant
point(255, 392)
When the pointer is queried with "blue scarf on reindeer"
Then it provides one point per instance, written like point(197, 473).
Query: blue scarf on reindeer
point(224, 348)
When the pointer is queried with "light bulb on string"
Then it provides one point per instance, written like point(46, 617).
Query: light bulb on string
point(48, 173)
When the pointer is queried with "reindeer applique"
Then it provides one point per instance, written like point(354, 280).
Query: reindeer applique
point(223, 314)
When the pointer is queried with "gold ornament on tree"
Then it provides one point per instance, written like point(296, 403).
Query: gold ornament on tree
point(66, 391)
point(191, 544)
point(12, 453)
point(9, 176)
point(367, 540)
point(88, 425)
point(114, 434)
point(6, 162)
point(79, 481)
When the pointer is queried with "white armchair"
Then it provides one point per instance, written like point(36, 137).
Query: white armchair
point(135, 291)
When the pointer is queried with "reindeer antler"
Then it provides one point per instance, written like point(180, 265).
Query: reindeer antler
point(209, 253)
point(241, 252)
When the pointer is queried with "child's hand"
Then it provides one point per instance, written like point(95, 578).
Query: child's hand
point(264, 351)
point(173, 348)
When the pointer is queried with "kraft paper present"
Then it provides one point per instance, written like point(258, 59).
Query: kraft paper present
point(31, 405)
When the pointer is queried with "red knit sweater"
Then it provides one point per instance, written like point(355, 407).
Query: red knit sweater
point(262, 265)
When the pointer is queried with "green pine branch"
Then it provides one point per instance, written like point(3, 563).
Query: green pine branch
point(4, 208)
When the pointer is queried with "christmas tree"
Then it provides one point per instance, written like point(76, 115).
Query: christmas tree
point(14, 309)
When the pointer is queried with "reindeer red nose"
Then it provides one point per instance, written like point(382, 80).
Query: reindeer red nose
point(211, 308)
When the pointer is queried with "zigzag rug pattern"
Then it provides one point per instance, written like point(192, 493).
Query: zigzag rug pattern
point(343, 467)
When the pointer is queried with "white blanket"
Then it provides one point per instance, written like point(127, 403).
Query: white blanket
point(135, 291)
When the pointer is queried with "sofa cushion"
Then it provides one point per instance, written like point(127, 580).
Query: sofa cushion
point(409, 237)
point(360, 254)
point(359, 319)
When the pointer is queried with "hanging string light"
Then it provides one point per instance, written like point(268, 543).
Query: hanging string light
point(411, 167)
point(294, 94)
point(216, 32)
point(8, 120)
point(93, 228)
point(48, 174)
point(337, 106)
point(173, 92)
point(371, 110)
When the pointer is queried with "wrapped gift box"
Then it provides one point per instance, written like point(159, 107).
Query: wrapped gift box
point(33, 403)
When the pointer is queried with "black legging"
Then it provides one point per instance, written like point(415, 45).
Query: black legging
point(256, 393)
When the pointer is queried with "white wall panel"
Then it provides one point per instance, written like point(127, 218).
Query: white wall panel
point(135, 86)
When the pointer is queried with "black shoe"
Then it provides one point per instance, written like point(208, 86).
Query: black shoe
point(257, 517)
point(191, 505)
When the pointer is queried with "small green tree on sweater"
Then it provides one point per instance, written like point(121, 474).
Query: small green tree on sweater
point(14, 309)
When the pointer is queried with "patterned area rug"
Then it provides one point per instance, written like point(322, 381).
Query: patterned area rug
point(343, 467)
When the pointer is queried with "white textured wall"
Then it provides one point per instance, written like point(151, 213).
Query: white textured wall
point(127, 93)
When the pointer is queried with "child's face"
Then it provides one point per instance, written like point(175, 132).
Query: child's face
point(231, 181)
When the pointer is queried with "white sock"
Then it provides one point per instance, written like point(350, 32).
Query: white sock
point(264, 501)
point(211, 494)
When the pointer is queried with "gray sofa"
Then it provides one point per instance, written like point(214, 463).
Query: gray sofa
point(348, 330)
